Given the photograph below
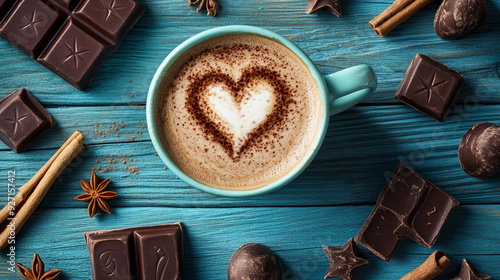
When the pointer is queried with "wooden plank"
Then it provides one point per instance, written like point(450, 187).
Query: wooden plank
point(296, 234)
point(333, 43)
point(361, 148)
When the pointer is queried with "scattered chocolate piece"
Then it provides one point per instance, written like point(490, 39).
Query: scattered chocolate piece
point(479, 151)
point(37, 271)
point(147, 253)
point(210, 5)
point(466, 273)
point(343, 260)
point(254, 261)
point(71, 38)
point(429, 86)
point(409, 207)
point(22, 120)
point(456, 18)
point(331, 6)
point(96, 194)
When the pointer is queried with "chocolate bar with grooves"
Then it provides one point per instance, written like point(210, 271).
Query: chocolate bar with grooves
point(72, 38)
point(153, 252)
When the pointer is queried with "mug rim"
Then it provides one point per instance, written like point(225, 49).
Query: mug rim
point(218, 32)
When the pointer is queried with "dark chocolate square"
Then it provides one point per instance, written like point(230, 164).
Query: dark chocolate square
point(429, 86)
point(22, 120)
point(380, 233)
point(159, 253)
point(74, 55)
point(29, 26)
point(110, 255)
point(110, 16)
point(432, 214)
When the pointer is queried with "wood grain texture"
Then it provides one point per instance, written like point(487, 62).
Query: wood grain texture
point(360, 151)
point(333, 43)
point(326, 205)
point(296, 234)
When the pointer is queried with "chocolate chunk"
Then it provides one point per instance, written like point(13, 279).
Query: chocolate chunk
point(153, 252)
point(429, 86)
point(331, 6)
point(466, 273)
point(456, 18)
point(409, 207)
point(254, 261)
point(479, 151)
point(343, 260)
point(22, 120)
point(72, 38)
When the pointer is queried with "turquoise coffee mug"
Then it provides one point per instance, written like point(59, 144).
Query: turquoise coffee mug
point(339, 91)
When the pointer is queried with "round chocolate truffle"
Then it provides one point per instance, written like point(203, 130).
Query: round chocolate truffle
point(479, 151)
point(254, 261)
point(456, 18)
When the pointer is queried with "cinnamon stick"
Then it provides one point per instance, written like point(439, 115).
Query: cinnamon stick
point(435, 264)
point(32, 193)
point(398, 12)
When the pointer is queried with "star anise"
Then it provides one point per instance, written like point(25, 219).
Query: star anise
point(37, 270)
point(210, 5)
point(94, 192)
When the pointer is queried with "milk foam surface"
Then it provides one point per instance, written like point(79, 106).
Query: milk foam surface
point(238, 112)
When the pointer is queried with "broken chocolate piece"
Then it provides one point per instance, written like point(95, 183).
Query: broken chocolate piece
point(409, 207)
point(72, 38)
point(331, 6)
point(343, 260)
point(429, 86)
point(479, 151)
point(22, 120)
point(153, 252)
point(466, 273)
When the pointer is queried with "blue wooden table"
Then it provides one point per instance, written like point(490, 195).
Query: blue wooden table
point(326, 205)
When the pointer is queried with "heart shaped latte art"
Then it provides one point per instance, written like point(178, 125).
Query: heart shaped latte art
point(239, 114)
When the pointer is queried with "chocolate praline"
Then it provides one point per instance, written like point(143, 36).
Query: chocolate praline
point(254, 261)
point(479, 151)
point(456, 18)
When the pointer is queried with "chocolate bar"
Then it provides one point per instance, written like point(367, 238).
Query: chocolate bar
point(153, 252)
point(409, 207)
point(22, 120)
point(72, 38)
point(430, 87)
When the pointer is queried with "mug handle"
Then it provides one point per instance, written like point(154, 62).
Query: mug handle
point(350, 86)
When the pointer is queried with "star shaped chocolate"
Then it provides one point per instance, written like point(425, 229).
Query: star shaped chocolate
point(466, 273)
point(331, 6)
point(343, 260)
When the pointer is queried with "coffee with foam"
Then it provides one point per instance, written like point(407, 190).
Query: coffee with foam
point(238, 112)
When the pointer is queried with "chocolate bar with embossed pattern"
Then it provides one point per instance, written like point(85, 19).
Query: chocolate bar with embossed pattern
point(72, 38)
point(153, 252)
